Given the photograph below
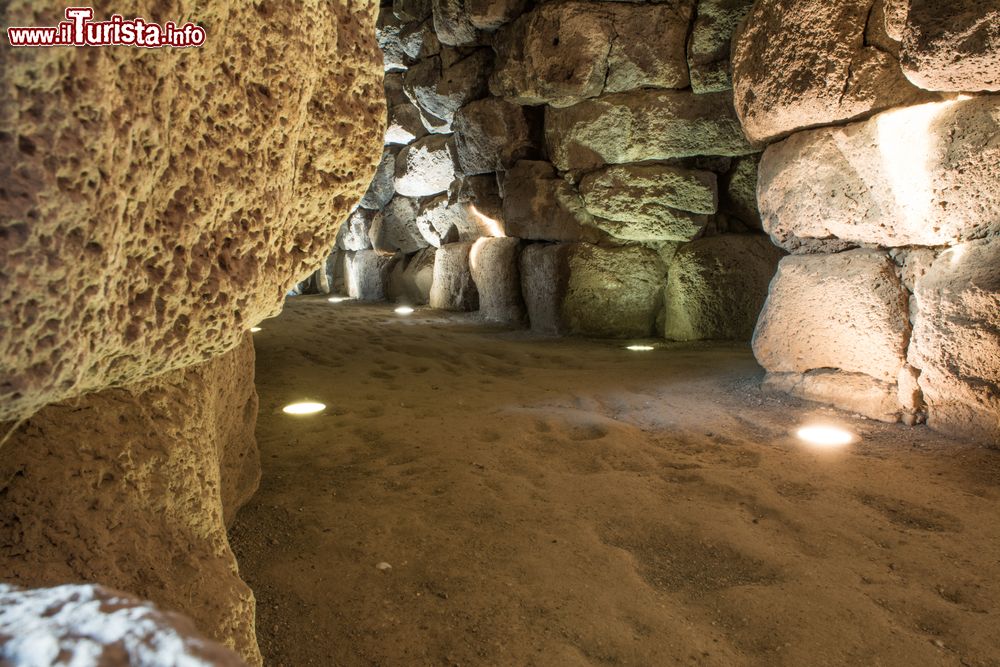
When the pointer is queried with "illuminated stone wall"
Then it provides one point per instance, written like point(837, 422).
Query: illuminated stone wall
point(883, 182)
point(599, 137)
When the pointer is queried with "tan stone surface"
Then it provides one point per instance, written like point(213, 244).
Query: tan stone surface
point(804, 63)
point(956, 340)
point(157, 203)
point(845, 311)
point(924, 175)
point(953, 44)
point(132, 488)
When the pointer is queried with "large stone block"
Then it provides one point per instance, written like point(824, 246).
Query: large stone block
point(145, 233)
point(367, 274)
point(953, 45)
point(425, 167)
point(494, 263)
point(564, 52)
point(442, 220)
point(650, 202)
point(404, 125)
point(85, 624)
point(956, 340)
point(354, 234)
point(539, 205)
point(924, 175)
point(846, 311)
point(441, 89)
point(417, 278)
point(382, 187)
point(453, 287)
point(854, 392)
point(395, 229)
point(671, 124)
point(710, 41)
point(716, 287)
point(804, 63)
point(133, 488)
point(739, 191)
point(584, 289)
point(490, 135)
point(453, 24)
point(492, 14)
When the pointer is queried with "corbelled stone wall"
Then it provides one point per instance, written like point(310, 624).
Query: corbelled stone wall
point(884, 184)
point(598, 138)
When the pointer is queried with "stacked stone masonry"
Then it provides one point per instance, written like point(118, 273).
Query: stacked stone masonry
point(883, 181)
point(573, 166)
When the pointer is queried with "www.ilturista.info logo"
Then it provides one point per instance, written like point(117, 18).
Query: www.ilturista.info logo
point(79, 30)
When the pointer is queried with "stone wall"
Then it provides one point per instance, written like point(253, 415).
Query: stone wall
point(883, 181)
point(133, 487)
point(599, 138)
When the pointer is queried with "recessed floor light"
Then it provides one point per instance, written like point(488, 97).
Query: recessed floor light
point(254, 329)
point(404, 310)
point(305, 408)
point(827, 437)
point(337, 299)
point(640, 348)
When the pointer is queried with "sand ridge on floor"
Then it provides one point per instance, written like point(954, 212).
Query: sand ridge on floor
point(568, 502)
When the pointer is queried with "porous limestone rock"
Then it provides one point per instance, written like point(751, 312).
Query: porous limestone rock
point(353, 234)
point(563, 52)
point(133, 488)
point(490, 135)
point(710, 41)
point(382, 188)
point(804, 63)
point(417, 278)
point(405, 125)
point(579, 288)
point(953, 45)
point(739, 191)
point(539, 205)
point(854, 392)
point(395, 228)
point(452, 287)
point(925, 175)
point(172, 222)
point(716, 287)
point(650, 202)
point(425, 167)
point(846, 311)
point(494, 264)
point(956, 340)
point(643, 125)
point(92, 625)
point(440, 90)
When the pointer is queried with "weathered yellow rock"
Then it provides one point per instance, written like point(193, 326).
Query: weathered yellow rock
point(157, 203)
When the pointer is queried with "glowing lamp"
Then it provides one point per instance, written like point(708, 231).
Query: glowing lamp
point(254, 329)
point(404, 310)
point(826, 437)
point(640, 348)
point(337, 299)
point(305, 408)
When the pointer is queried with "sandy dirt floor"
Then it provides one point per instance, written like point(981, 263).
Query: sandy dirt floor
point(568, 502)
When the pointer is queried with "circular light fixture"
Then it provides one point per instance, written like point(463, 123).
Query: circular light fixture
point(337, 299)
point(640, 348)
point(827, 437)
point(404, 310)
point(305, 408)
point(254, 329)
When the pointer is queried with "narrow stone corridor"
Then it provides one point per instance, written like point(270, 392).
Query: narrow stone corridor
point(542, 501)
